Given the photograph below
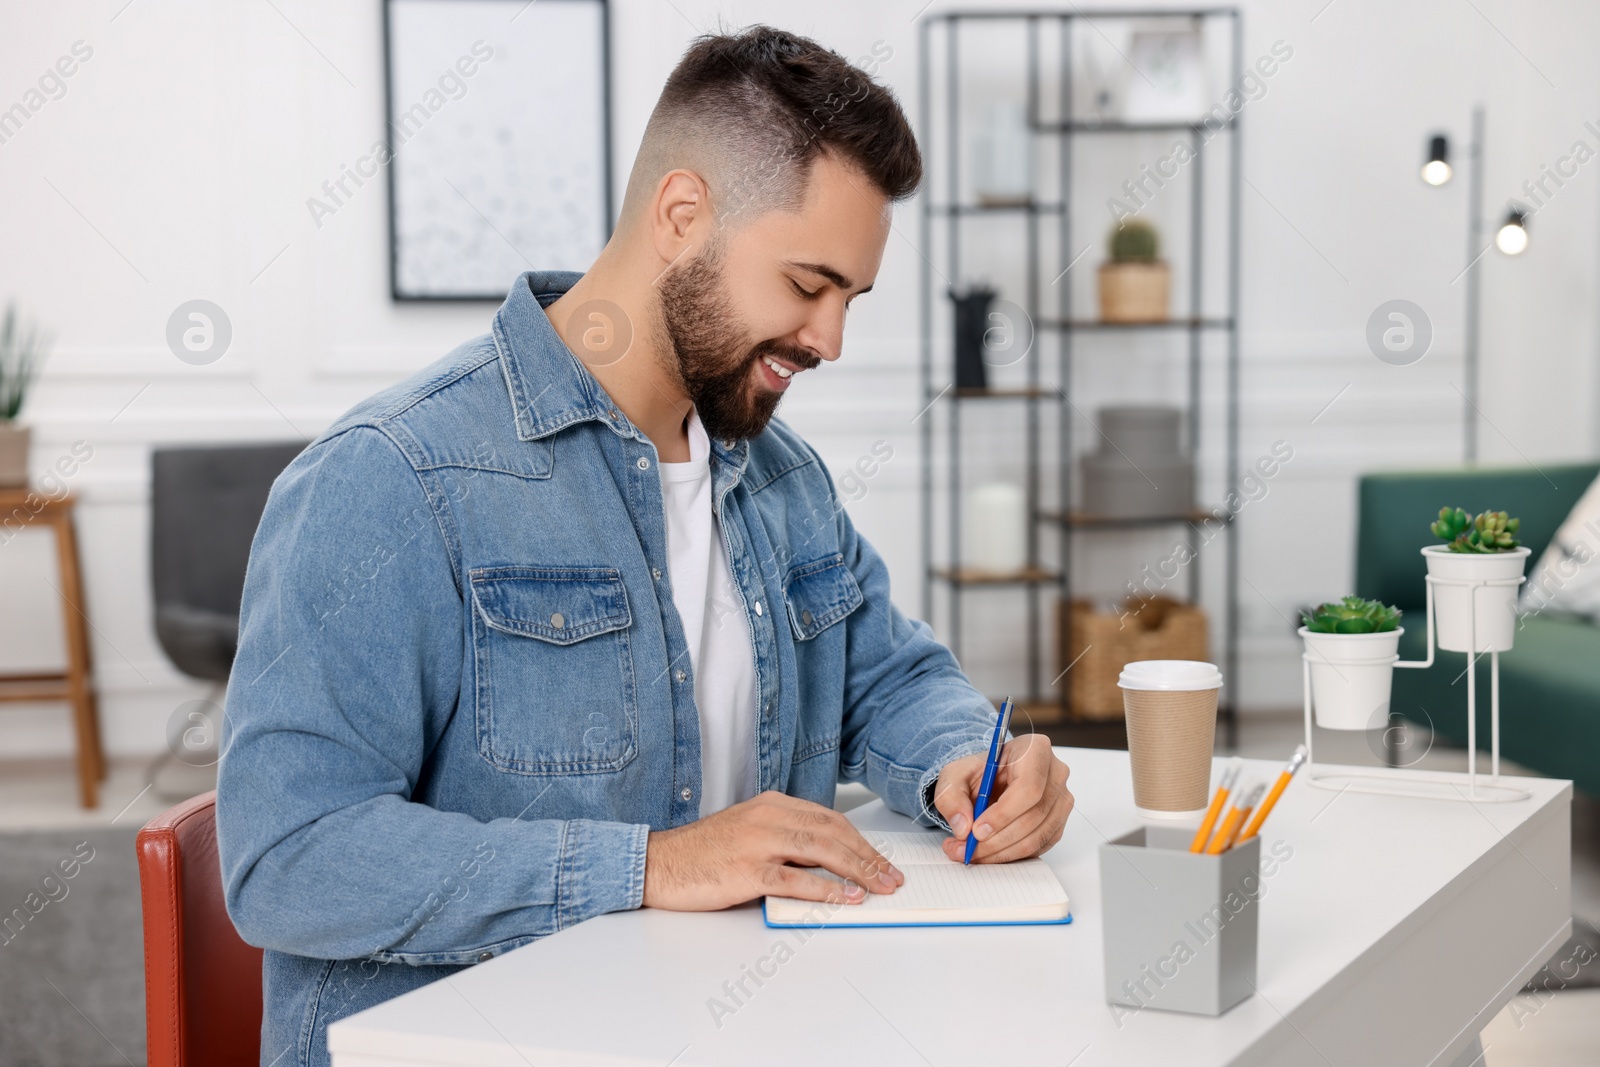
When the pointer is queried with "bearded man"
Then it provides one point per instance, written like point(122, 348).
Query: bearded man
point(569, 623)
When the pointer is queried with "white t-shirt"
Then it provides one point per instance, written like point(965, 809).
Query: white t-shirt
point(714, 626)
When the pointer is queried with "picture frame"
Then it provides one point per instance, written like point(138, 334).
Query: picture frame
point(497, 121)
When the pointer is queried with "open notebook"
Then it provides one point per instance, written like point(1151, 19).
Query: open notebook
point(937, 891)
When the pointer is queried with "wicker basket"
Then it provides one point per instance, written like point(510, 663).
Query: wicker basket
point(1135, 292)
point(1099, 644)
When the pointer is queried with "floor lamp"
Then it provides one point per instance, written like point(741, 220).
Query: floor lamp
point(1511, 239)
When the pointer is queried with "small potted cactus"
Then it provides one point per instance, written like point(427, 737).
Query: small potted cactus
point(1476, 548)
point(1135, 283)
point(1352, 645)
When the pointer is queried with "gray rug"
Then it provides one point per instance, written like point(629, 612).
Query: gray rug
point(72, 962)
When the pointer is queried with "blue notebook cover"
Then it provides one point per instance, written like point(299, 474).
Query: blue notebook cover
point(863, 926)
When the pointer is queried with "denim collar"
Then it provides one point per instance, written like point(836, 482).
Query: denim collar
point(550, 389)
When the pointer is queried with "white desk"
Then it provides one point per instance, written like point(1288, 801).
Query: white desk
point(1395, 932)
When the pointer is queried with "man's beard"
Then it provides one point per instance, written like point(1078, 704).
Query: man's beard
point(709, 354)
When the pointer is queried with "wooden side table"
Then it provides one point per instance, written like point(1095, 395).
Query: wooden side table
point(23, 509)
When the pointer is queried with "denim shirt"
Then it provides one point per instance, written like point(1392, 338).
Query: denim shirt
point(463, 696)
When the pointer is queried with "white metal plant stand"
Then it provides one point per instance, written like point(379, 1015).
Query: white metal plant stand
point(1401, 782)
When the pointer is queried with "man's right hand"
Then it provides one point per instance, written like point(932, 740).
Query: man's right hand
point(744, 851)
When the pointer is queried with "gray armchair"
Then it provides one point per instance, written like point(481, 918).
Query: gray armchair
point(205, 504)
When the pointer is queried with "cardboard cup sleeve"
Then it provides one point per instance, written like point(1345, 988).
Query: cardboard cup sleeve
point(1170, 738)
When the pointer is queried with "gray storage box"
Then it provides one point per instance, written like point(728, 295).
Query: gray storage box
point(1180, 927)
point(1139, 471)
point(1142, 431)
point(1115, 488)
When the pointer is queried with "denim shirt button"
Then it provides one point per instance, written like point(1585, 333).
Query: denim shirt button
point(485, 957)
point(655, 572)
point(680, 676)
point(758, 607)
point(687, 793)
point(805, 618)
point(644, 464)
point(558, 620)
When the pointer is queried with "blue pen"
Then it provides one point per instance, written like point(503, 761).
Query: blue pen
point(981, 802)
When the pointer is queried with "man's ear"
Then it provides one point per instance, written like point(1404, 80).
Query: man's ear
point(680, 214)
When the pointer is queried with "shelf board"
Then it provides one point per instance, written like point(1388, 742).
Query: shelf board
point(1026, 207)
point(1038, 716)
point(1028, 715)
point(1083, 519)
point(1085, 733)
point(1039, 392)
point(1098, 326)
point(1113, 126)
point(35, 687)
point(1086, 14)
point(973, 576)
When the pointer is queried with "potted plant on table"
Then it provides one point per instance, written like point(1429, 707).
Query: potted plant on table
point(1352, 645)
point(21, 352)
point(1135, 284)
point(1476, 549)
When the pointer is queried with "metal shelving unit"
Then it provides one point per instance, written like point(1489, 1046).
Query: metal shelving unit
point(1053, 712)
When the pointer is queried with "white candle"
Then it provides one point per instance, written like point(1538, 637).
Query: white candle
point(995, 532)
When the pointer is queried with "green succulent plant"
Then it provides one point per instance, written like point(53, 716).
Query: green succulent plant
point(1134, 241)
point(1352, 615)
point(1489, 531)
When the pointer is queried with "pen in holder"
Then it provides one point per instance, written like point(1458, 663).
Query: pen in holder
point(1180, 926)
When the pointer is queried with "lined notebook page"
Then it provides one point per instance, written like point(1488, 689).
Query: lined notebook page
point(938, 889)
point(905, 848)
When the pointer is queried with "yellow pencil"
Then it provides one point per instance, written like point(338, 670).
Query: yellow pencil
point(1254, 826)
point(1230, 826)
point(1230, 775)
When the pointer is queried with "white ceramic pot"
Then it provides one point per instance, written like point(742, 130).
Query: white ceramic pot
point(1496, 617)
point(1351, 676)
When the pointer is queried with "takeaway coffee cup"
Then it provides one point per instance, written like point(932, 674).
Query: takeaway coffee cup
point(1171, 709)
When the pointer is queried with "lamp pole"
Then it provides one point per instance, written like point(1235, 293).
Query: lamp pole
point(1475, 254)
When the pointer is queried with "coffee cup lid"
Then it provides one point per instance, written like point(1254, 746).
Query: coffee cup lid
point(1171, 674)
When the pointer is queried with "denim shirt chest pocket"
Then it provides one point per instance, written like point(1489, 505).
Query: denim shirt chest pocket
point(819, 595)
point(555, 688)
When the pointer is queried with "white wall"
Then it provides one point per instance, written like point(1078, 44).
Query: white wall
point(178, 163)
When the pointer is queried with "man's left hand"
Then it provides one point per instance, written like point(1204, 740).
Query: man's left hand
point(1028, 803)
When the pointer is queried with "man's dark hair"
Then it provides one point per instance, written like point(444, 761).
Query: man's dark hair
point(751, 112)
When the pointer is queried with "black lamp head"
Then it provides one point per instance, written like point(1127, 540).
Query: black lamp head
point(1512, 237)
point(1436, 171)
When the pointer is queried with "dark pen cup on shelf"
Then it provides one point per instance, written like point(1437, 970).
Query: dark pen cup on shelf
point(971, 323)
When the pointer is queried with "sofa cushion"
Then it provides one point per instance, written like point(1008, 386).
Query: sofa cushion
point(1395, 510)
point(1566, 580)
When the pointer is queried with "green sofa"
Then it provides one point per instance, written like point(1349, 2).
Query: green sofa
point(1550, 680)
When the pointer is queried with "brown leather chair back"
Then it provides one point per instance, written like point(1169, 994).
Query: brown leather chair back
point(202, 983)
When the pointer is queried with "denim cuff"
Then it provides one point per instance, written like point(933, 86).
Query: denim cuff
point(928, 815)
point(601, 869)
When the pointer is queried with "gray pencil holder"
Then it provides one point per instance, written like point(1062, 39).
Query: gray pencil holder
point(1180, 927)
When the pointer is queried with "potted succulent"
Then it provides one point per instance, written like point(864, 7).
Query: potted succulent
point(1481, 548)
point(1134, 285)
point(1352, 645)
point(20, 356)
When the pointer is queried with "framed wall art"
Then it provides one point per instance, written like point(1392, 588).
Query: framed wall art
point(498, 142)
